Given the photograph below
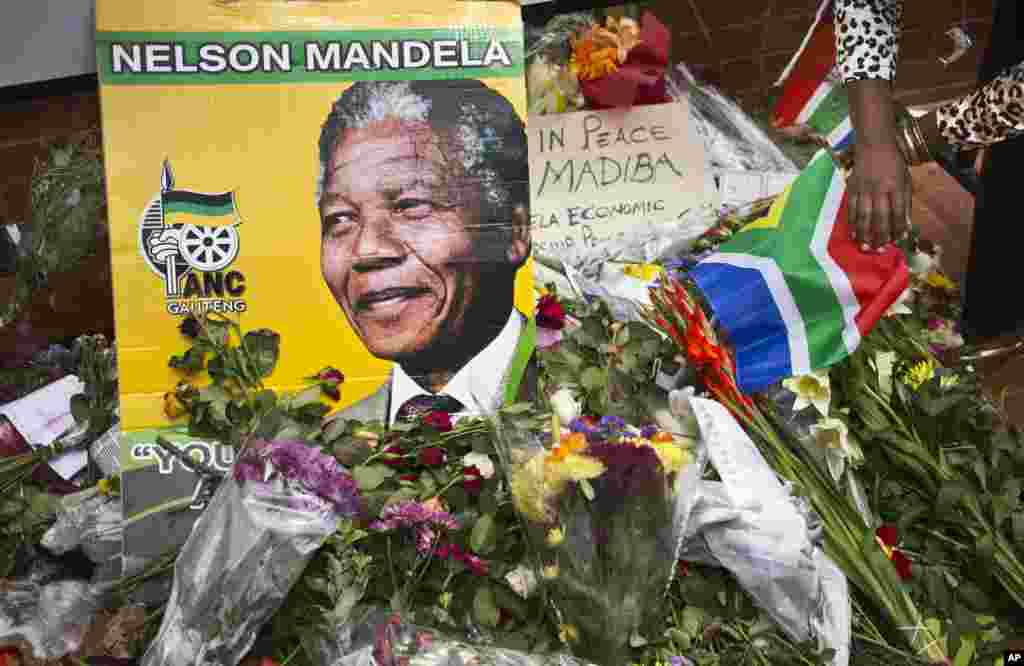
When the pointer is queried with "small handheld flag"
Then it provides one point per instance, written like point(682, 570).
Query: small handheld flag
point(793, 291)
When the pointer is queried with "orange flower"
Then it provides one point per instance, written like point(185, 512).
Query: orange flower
point(571, 443)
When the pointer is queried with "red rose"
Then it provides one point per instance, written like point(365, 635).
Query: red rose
point(550, 313)
point(472, 480)
point(440, 421)
point(330, 379)
point(332, 375)
point(432, 456)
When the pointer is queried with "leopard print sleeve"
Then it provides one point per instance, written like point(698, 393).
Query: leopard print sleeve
point(988, 115)
point(867, 38)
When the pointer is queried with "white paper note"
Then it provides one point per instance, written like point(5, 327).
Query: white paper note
point(43, 415)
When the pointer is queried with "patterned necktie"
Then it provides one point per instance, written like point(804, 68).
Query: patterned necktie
point(416, 407)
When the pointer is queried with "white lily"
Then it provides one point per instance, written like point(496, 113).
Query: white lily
point(481, 461)
point(565, 405)
point(813, 389)
point(833, 437)
point(901, 306)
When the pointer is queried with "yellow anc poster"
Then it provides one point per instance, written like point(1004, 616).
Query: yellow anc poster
point(351, 174)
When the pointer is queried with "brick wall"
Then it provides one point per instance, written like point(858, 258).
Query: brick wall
point(743, 45)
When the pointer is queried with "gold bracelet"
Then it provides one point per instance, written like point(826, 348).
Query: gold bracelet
point(915, 151)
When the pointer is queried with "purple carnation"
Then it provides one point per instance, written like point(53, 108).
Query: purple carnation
point(306, 465)
point(423, 520)
point(630, 471)
point(612, 424)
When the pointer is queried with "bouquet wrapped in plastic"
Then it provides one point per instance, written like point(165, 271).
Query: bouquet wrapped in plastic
point(283, 500)
point(377, 637)
point(604, 508)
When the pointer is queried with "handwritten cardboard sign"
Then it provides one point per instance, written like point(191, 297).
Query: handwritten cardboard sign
point(597, 175)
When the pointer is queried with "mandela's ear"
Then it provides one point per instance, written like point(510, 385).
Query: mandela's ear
point(519, 247)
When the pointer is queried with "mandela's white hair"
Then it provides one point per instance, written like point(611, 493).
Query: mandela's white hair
point(491, 137)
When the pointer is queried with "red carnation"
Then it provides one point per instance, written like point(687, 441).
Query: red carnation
point(440, 421)
point(433, 456)
point(550, 313)
point(472, 480)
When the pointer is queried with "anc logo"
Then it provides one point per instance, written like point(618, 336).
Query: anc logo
point(190, 240)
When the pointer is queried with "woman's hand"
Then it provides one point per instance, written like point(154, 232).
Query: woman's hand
point(879, 188)
point(879, 191)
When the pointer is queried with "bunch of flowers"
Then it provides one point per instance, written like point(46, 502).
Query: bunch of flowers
point(310, 479)
point(598, 505)
point(581, 61)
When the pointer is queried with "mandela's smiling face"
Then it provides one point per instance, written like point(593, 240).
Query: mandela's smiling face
point(399, 251)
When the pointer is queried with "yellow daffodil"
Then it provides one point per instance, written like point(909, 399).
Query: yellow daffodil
point(555, 537)
point(550, 571)
point(104, 486)
point(939, 281)
point(919, 374)
point(833, 437)
point(567, 633)
point(813, 389)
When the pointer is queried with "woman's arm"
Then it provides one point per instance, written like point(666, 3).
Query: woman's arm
point(866, 49)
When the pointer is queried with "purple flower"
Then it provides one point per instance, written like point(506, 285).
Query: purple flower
point(612, 424)
point(648, 431)
point(632, 471)
point(305, 465)
point(410, 514)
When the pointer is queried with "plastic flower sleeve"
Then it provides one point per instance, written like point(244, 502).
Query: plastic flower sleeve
point(90, 520)
point(382, 638)
point(600, 509)
point(248, 549)
point(750, 524)
point(52, 618)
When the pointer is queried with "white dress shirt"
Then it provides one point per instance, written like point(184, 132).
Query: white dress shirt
point(479, 385)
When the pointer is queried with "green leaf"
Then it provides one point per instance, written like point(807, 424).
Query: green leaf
point(335, 429)
point(264, 349)
point(973, 597)
point(309, 396)
point(517, 408)
point(986, 550)
point(484, 537)
point(593, 378)
point(587, 489)
point(1017, 521)
point(80, 408)
point(371, 477)
point(950, 494)
point(190, 362)
point(485, 607)
point(965, 655)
